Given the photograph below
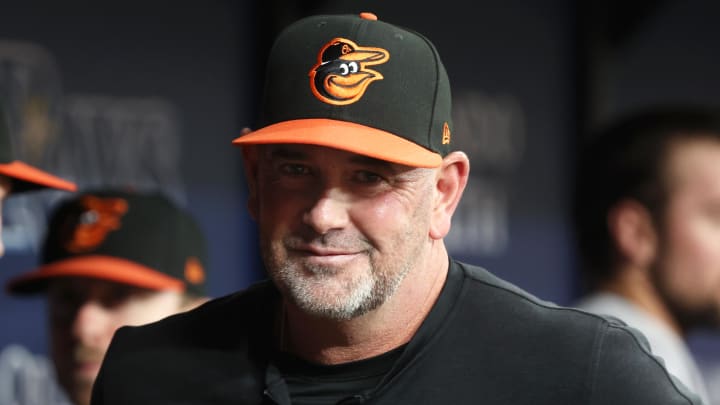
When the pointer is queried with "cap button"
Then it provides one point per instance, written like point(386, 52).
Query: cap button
point(368, 16)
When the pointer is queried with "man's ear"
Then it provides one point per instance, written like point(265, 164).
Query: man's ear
point(450, 182)
point(250, 163)
point(631, 227)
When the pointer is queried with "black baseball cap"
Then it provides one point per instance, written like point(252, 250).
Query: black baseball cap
point(140, 239)
point(23, 176)
point(355, 83)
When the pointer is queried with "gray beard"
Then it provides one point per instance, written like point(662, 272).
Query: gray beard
point(360, 298)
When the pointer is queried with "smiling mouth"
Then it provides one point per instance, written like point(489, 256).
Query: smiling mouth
point(312, 248)
point(326, 255)
point(86, 370)
point(327, 252)
point(328, 258)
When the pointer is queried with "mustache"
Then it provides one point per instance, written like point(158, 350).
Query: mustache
point(330, 240)
point(87, 354)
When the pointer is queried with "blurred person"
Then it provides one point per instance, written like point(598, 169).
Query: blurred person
point(17, 177)
point(648, 224)
point(353, 180)
point(112, 258)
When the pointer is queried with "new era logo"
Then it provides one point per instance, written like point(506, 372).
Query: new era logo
point(446, 134)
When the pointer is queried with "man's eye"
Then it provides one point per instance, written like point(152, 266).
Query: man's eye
point(368, 177)
point(294, 169)
point(115, 296)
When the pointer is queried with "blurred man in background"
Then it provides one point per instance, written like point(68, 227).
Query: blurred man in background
point(112, 258)
point(648, 223)
point(17, 177)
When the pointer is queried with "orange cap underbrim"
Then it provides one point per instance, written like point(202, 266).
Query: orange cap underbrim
point(347, 136)
point(99, 267)
point(24, 172)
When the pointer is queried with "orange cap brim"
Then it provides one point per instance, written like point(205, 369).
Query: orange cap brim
point(24, 172)
point(347, 136)
point(99, 267)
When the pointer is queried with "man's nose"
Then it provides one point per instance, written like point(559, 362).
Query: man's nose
point(328, 211)
point(90, 322)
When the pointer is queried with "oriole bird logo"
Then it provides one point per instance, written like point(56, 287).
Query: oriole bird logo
point(101, 216)
point(341, 75)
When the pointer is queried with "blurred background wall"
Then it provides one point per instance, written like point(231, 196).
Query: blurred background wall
point(151, 93)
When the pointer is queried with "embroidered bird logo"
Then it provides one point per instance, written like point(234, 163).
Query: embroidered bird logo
point(341, 75)
point(100, 216)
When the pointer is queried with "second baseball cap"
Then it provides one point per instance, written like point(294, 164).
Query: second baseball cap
point(354, 83)
point(143, 240)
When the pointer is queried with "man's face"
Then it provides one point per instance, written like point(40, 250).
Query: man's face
point(687, 270)
point(84, 314)
point(5, 186)
point(338, 231)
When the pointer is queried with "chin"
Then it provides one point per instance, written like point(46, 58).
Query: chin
point(82, 397)
point(80, 392)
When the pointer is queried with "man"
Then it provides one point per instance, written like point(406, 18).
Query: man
point(648, 209)
point(353, 183)
point(17, 177)
point(112, 258)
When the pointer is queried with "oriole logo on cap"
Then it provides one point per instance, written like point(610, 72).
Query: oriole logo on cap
point(100, 216)
point(341, 75)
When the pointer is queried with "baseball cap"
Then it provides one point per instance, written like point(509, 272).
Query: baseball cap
point(140, 239)
point(25, 177)
point(355, 83)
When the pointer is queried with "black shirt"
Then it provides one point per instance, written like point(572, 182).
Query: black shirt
point(484, 341)
point(311, 383)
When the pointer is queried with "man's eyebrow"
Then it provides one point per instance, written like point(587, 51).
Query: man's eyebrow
point(283, 152)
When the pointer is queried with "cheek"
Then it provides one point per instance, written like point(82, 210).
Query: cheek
point(2, 246)
point(277, 218)
point(274, 204)
point(391, 222)
point(693, 254)
point(142, 310)
point(377, 215)
point(61, 341)
point(377, 212)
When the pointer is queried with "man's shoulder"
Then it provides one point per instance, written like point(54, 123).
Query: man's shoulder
point(487, 288)
point(205, 351)
point(230, 315)
point(502, 302)
point(593, 349)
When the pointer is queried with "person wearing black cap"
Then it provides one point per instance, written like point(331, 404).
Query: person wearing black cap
point(353, 181)
point(112, 258)
point(18, 177)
